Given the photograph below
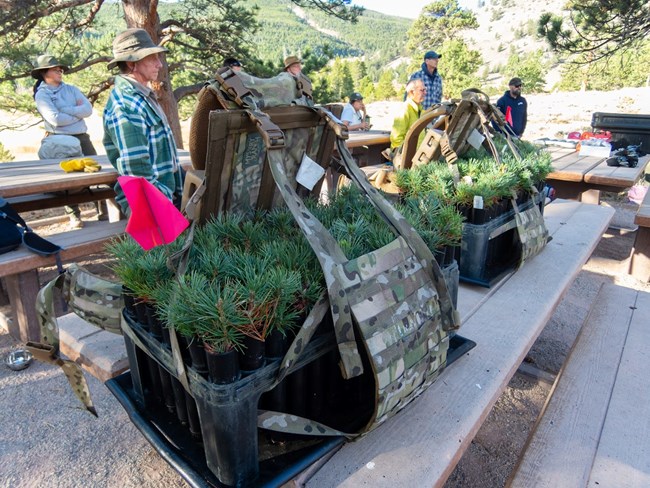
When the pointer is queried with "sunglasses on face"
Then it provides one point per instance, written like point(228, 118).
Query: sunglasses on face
point(517, 86)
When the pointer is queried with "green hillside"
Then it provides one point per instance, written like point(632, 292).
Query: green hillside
point(376, 36)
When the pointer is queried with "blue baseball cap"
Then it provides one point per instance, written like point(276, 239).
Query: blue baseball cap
point(432, 55)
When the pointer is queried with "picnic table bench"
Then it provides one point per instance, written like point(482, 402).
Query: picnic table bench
point(422, 445)
point(19, 269)
point(593, 430)
point(584, 177)
point(640, 262)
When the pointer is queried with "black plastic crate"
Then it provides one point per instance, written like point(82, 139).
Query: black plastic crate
point(626, 129)
point(491, 250)
point(280, 460)
point(210, 435)
point(221, 420)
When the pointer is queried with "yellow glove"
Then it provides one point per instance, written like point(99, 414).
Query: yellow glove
point(71, 165)
point(89, 165)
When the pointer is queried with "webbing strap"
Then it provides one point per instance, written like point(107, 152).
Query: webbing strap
point(329, 255)
point(428, 148)
point(233, 85)
point(324, 245)
point(450, 316)
point(486, 131)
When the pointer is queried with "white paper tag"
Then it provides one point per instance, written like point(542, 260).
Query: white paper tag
point(309, 173)
point(475, 139)
point(478, 202)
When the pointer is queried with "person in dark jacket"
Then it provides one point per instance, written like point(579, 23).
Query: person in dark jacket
point(514, 107)
point(431, 79)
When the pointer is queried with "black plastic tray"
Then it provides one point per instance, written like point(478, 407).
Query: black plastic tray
point(186, 455)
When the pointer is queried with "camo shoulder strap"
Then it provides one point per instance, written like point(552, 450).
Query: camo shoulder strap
point(531, 228)
point(94, 299)
point(395, 296)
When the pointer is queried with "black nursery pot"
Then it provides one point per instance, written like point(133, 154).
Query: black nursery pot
point(275, 345)
point(197, 353)
point(223, 367)
point(129, 301)
point(253, 356)
point(141, 314)
point(155, 327)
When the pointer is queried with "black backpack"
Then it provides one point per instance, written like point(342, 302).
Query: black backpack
point(14, 232)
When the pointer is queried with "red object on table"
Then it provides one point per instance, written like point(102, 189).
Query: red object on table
point(154, 219)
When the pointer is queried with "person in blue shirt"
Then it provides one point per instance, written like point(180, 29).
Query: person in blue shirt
point(431, 78)
point(514, 107)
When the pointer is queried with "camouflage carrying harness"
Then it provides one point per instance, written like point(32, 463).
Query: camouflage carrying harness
point(393, 299)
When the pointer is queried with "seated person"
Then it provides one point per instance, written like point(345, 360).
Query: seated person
point(410, 113)
point(233, 63)
point(354, 113)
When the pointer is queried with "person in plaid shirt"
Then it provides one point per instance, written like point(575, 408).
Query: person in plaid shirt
point(137, 136)
point(431, 78)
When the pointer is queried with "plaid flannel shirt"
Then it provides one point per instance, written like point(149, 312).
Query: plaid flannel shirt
point(433, 84)
point(138, 139)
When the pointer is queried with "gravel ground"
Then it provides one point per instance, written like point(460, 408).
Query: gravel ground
point(47, 440)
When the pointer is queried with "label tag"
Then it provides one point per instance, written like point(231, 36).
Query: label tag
point(309, 173)
point(475, 139)
point(478, 201)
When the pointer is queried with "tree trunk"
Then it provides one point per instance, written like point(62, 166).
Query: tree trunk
point(143, 14)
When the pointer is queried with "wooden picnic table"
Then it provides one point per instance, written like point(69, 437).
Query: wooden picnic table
point(31, 185)
point(583, 177)
point(423, 443)
point(367, 145)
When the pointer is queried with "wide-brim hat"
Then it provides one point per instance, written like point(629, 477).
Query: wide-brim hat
point(45, 61)
point(133, 45)
point(291, 60)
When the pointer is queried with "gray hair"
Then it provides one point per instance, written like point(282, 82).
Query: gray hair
point(410, 86)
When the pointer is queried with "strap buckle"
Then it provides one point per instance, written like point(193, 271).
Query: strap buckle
point(271, 133)
point(234, 86)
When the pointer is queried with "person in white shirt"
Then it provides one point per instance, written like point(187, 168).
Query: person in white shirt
point(354, 113)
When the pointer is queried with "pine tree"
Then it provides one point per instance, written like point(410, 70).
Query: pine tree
point(385, 89)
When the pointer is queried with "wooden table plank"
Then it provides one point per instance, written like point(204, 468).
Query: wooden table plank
point(94, 232)
point(45, 176)
point(618, 176)
point(623, 457)
point(422, 445)
point(367, 138)
point(568, 165)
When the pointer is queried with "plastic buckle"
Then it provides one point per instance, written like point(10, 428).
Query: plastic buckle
point(233, 86)
point(271, 133)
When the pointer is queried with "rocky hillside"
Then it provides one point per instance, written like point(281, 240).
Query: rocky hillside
point(507, 26)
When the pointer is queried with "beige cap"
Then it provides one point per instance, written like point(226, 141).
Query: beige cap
point(133, 45)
